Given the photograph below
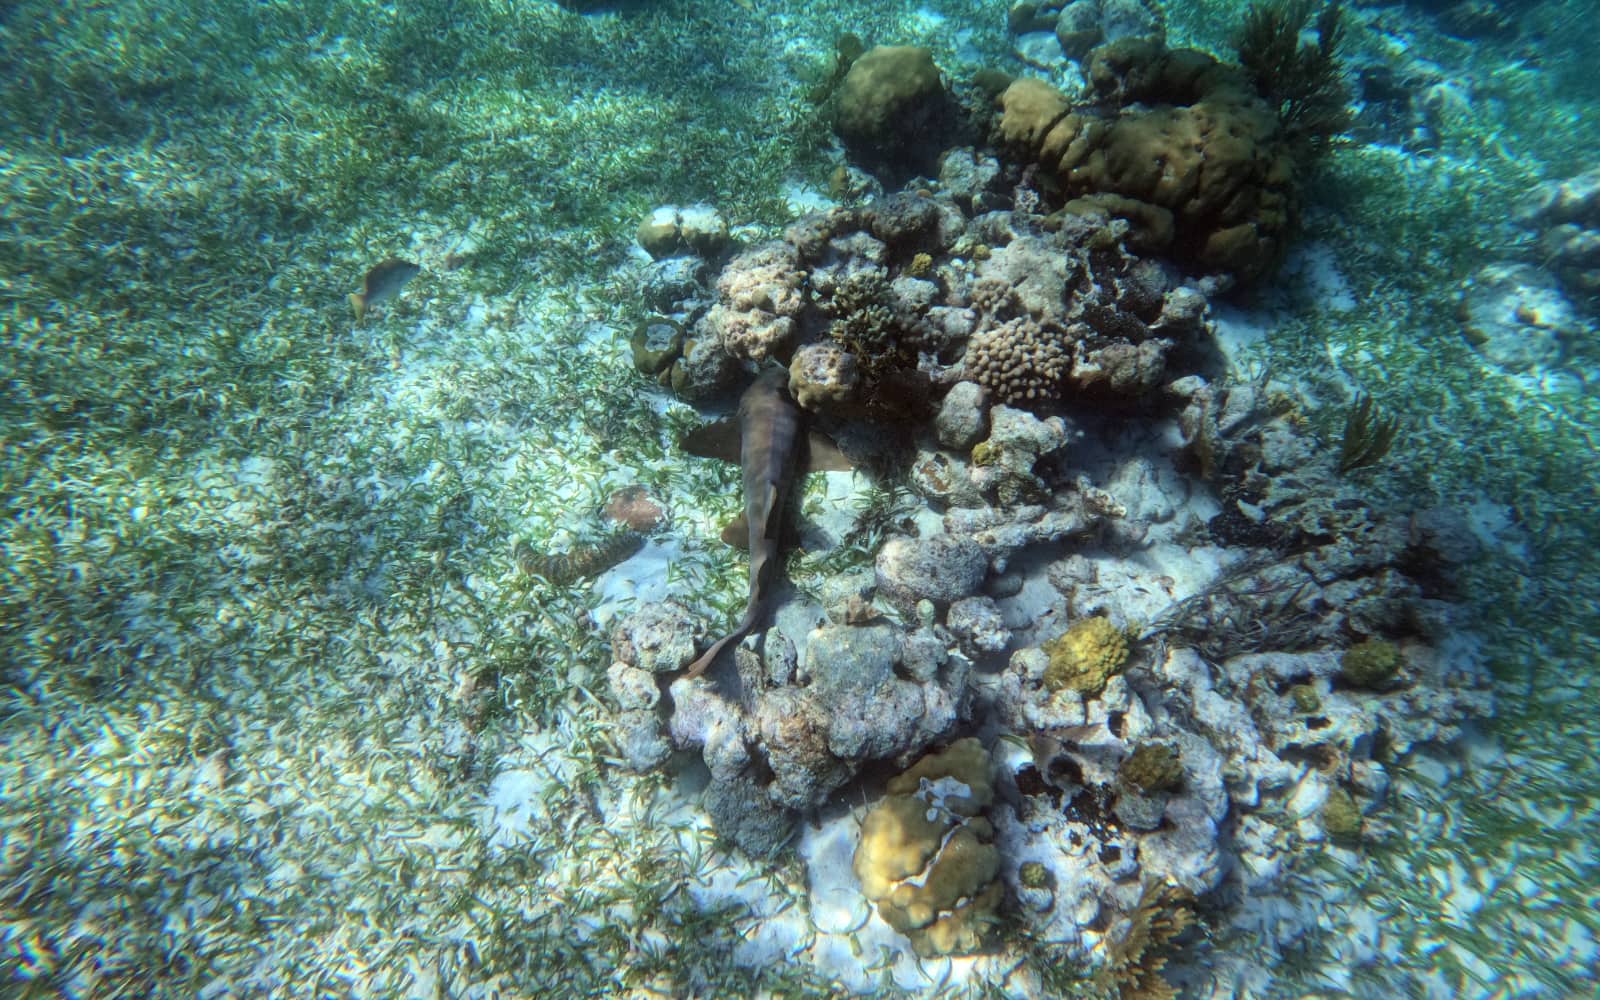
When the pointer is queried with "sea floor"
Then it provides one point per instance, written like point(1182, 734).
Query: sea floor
point(281, 715)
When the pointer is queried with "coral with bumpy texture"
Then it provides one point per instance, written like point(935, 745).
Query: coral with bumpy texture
point(823, 375)
point(1085, 656)
point(1018, 361)
point(1373, 663)
point(927, 857)
point(1151, 768)
point(760, 295)
point(1191, 137)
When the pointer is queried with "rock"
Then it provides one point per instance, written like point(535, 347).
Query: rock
point(633, 688)
point(672, 281)
point(743, 812)
point(1516, 317)
point(978, 624)
point(640, 739)
point(658, 638)
point(961, 422)
point(670, 230)
point(971, 179)
point(760, 295)
point(941, 569)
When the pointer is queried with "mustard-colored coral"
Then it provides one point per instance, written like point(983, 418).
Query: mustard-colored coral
point(1341, 817)
point(1087, 655)
point(1373, 663)
point(927, 856)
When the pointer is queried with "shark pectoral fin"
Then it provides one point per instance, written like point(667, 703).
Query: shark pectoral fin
point(718, 439)
point(822, 455)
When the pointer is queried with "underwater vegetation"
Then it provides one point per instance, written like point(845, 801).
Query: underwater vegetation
point(272, 673)
point(1369, 434)
point(1304, 82)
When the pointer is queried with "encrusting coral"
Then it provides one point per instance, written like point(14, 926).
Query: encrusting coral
point(1086, 655)
point(927, 857)
point(1372, 663)
point(1151, 768)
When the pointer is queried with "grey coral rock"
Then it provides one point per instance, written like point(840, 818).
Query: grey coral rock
point(658, 638)
point(942, 569)
point(823, 375)
point(979, 625)
point(760, 296)
point(961, 421)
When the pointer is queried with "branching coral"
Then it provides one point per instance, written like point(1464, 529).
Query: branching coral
point(1369, 433)
point(1303, 82)
point(1137, 956)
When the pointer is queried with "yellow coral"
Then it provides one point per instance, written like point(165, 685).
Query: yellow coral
point(1087, 655)
point(927, 856)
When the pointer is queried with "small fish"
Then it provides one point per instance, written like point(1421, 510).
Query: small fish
point(383, 282)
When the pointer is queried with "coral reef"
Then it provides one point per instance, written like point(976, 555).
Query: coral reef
point(1372, 663)
point(671, 230)
point(1013, 354)
point(1174, 113)
point(801, 726)
point(1137, 954)
point(1565, 216)
point(927, 857)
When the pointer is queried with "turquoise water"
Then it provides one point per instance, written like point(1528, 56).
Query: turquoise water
point(283, 714)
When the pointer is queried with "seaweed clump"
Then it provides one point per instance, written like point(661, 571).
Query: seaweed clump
point(1304, 82)
point(1369, 433)
point(1136, 958)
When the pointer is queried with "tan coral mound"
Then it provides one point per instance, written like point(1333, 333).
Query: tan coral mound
point(1189, 137)
point(927, 857)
